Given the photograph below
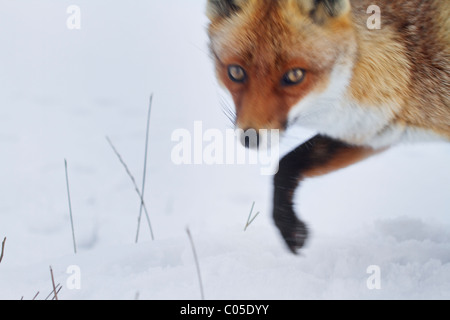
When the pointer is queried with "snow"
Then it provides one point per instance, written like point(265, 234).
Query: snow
point(63, 91)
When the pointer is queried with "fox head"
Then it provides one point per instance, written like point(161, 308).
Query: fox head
point(281, 60)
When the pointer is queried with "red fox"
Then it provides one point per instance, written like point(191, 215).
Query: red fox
point(316, 63)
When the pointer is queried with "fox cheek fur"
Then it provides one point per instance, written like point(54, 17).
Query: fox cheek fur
point(315, 63)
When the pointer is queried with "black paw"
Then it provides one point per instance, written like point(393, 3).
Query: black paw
point(295, 236)
point(294, 231)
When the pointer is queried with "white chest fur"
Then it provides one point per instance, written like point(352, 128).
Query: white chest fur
point(331, 113)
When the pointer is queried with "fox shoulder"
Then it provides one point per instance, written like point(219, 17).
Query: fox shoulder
point(410, 56)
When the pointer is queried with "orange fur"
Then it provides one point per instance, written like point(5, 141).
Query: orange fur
point(344, 158)
point(406, 82)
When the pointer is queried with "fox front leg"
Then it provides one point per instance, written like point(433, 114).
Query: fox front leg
point(316, 157)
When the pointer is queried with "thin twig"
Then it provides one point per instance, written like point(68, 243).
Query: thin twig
point(196, 263)
point(250, 219)
point(58, 286)
point(53, 283)
point(253, 219)
point(55, 297)
point(144, 174)
point(249, 216)
point(70, 208)
point(35, 296)
point(3, 249)
point(134, 183)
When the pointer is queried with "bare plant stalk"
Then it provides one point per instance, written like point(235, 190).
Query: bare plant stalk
point(144, 174)
point(58, 287)
point(136, 188)
point(196, 263)
point(250, 219)
point(55, 297)
point(3, 249)
point(70, 208)
point(249, 216)
point(35, 296)
point(53, 283)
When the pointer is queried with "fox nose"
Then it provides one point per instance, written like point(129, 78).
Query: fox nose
point(250, 138)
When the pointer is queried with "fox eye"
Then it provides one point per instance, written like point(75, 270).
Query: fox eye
point(237, 74)
point(293, 77)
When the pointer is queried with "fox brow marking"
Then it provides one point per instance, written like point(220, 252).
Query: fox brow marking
point(214, 53)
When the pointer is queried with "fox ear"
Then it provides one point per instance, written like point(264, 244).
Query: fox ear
point(322, 10)
point(222, 8)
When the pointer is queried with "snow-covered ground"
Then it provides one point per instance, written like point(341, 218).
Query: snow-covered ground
point(63, 91)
